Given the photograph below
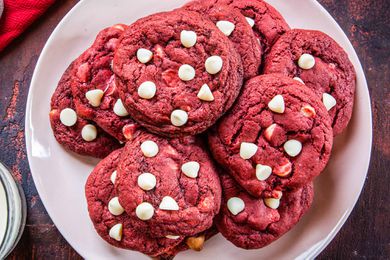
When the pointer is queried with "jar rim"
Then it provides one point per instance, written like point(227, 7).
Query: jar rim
point(16, 211)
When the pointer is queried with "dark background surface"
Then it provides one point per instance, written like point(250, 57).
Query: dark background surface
point(366, 234)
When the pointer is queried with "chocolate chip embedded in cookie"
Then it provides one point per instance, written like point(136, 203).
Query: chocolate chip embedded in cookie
point(94, 89)
point(234, 25)
point(169, 187)
point(177, 73)
point(109, 218)
point(278, 135)
point(74, 133)
point(252, 223)
point(316, 60)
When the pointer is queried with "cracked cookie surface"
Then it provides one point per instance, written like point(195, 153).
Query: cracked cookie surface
point(99, 190)
point(268, 23)
point(92, 72)
point(158, 39)
point(304, 120)
point(333, 73)
point(258, 225)
point(196, 198)
point(70, 136)
point(242, 36)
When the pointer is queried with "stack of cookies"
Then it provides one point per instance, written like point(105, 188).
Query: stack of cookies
point(212, 117)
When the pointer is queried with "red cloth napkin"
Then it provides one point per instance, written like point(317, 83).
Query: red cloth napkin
point(17, 16)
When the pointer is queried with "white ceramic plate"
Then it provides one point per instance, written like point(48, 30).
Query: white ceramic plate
point(60, 176)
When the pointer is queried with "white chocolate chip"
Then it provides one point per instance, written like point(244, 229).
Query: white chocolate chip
point(89, 133)
point(269, 132)
point(188, 38)
point(168, 203)
point(283, 170)
point(250, 21)
point(298, 79)
point(263, 172)
point(115, 207)
point(306, 61)
point(278, 193)
point(94, 97)
point(144, 211)
point(68, 117)
point(116, 232)
point(272, 203)
point(119, 27)
point(247, 150)
point(292, 147)
point(119, 109)
point(186, 72)
point(277, 104)
point(179, 117)
point(113, 177)
point(213, 64)
point(226, 27)
point(83, 72)
point(129, 131)
point(149, 148)
point(144, 55)
point(205, 93)
point(146, 181)
point(329, 101)
point(235, 205)
point(172, 237)
point(308, 111)
point(191, 169)
point(147, 90)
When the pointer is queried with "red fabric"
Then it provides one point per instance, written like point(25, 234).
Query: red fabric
point(17, 16)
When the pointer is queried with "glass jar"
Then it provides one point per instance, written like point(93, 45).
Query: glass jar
point(12, 212)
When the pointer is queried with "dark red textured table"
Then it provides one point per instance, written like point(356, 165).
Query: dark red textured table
point(366, 234)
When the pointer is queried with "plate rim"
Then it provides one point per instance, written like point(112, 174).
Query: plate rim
point(320, 246)
point(341, 222)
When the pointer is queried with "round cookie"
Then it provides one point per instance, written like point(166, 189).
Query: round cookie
point(254, 223)
point(99, 191)
point(171, 89)
point(71, 136)
point(94, 89)
point(267, 23)
point(168, 186)
point(278, 135)
point(330, 74)
point(234, 25)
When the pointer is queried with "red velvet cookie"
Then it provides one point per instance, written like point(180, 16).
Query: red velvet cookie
point(234, 25)
point(168, 186)
point(177, 73)
point(109, 219)
point(278, 135)
point(267, 23)
point(322, 65)
point(93, 86)
point(78, 135)
point(254, 223)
